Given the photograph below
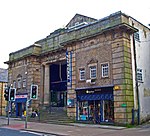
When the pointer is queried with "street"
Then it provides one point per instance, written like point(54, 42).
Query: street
point(12, 132)
point(16, 128)
point(80, 131)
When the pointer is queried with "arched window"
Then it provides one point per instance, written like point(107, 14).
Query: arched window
point(19, 81)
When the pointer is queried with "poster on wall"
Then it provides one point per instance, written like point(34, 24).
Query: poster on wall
point(70, 103)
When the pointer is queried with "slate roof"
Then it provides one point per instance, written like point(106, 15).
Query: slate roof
point(3, 75)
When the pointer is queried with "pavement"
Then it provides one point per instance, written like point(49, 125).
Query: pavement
point(60, 130)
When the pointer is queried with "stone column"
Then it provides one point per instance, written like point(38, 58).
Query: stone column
point(46, 85)
point(71, 94)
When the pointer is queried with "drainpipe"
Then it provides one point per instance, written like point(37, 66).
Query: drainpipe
point(1, 97)
point(136, 81)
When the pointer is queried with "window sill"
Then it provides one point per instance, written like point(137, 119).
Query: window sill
point(140, 82)
point(105, 77)
point(82, 80)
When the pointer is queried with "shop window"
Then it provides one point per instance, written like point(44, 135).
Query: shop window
point(83, 110)
point(82, 74)
point(93, 72)
point(105, 70)
point(139, 75)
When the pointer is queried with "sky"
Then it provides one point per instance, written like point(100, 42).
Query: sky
point(23, 22)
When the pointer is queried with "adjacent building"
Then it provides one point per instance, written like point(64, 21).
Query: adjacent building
point(97, 70)
point(3, 84)
point(140, 50)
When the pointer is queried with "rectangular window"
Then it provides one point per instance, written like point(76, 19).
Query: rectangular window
point(105, 70)
point(82, 74)
point(93, 72)
point(139, 75)
point(137, 36)
point(19, 82)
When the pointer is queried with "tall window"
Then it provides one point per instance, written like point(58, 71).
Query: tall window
point(93, 72)
point(82, 74)
point(14, 84)
point(24, 83)
point(19, 82)
point(105, 70)
point(139, 75)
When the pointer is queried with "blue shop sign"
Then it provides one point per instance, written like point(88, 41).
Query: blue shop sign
point(95, 97)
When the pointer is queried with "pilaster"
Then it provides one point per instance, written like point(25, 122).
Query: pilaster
point(71, 94)
point(46, 85)
point(123, 82)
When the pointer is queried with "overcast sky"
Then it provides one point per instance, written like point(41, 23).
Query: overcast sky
point(22, 22)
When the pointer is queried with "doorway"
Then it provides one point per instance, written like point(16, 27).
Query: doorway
point(58, 84)
point(19, 110)
point(94, 111)
point(108, 111)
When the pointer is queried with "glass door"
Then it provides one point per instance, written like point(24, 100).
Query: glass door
point(94, 111)
point(108, 111)
point(97, 111)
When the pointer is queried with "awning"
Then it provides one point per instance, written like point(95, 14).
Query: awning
point(94, 87)
point(89, 97)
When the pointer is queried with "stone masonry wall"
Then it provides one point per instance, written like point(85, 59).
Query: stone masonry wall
point(94, 50)
point(31, 65)
point(122, 76)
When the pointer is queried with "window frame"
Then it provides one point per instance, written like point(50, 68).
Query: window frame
point(14, 84)
point(19, 82)
point(137, 36)
point(80, 74)
point(103, 69)
point(139, 75)
point(93, 77)
point(24, 83)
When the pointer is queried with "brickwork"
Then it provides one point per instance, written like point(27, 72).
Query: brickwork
point(94, 50)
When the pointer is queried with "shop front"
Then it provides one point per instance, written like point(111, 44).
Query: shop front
point(19, 105)
point(95, 104)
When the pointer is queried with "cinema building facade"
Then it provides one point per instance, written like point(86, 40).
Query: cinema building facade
point(85, 67)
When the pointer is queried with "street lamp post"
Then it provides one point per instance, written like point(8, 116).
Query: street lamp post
point(26, 119)
point(9, 105)
point(26, 113)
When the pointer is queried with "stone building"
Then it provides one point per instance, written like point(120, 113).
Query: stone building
point(3, 84)
point(86, 67)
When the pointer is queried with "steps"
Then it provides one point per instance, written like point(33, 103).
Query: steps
point(56, 115)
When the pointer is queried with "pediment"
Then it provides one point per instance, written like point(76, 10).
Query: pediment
point(80, 19)
point(92, 61)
